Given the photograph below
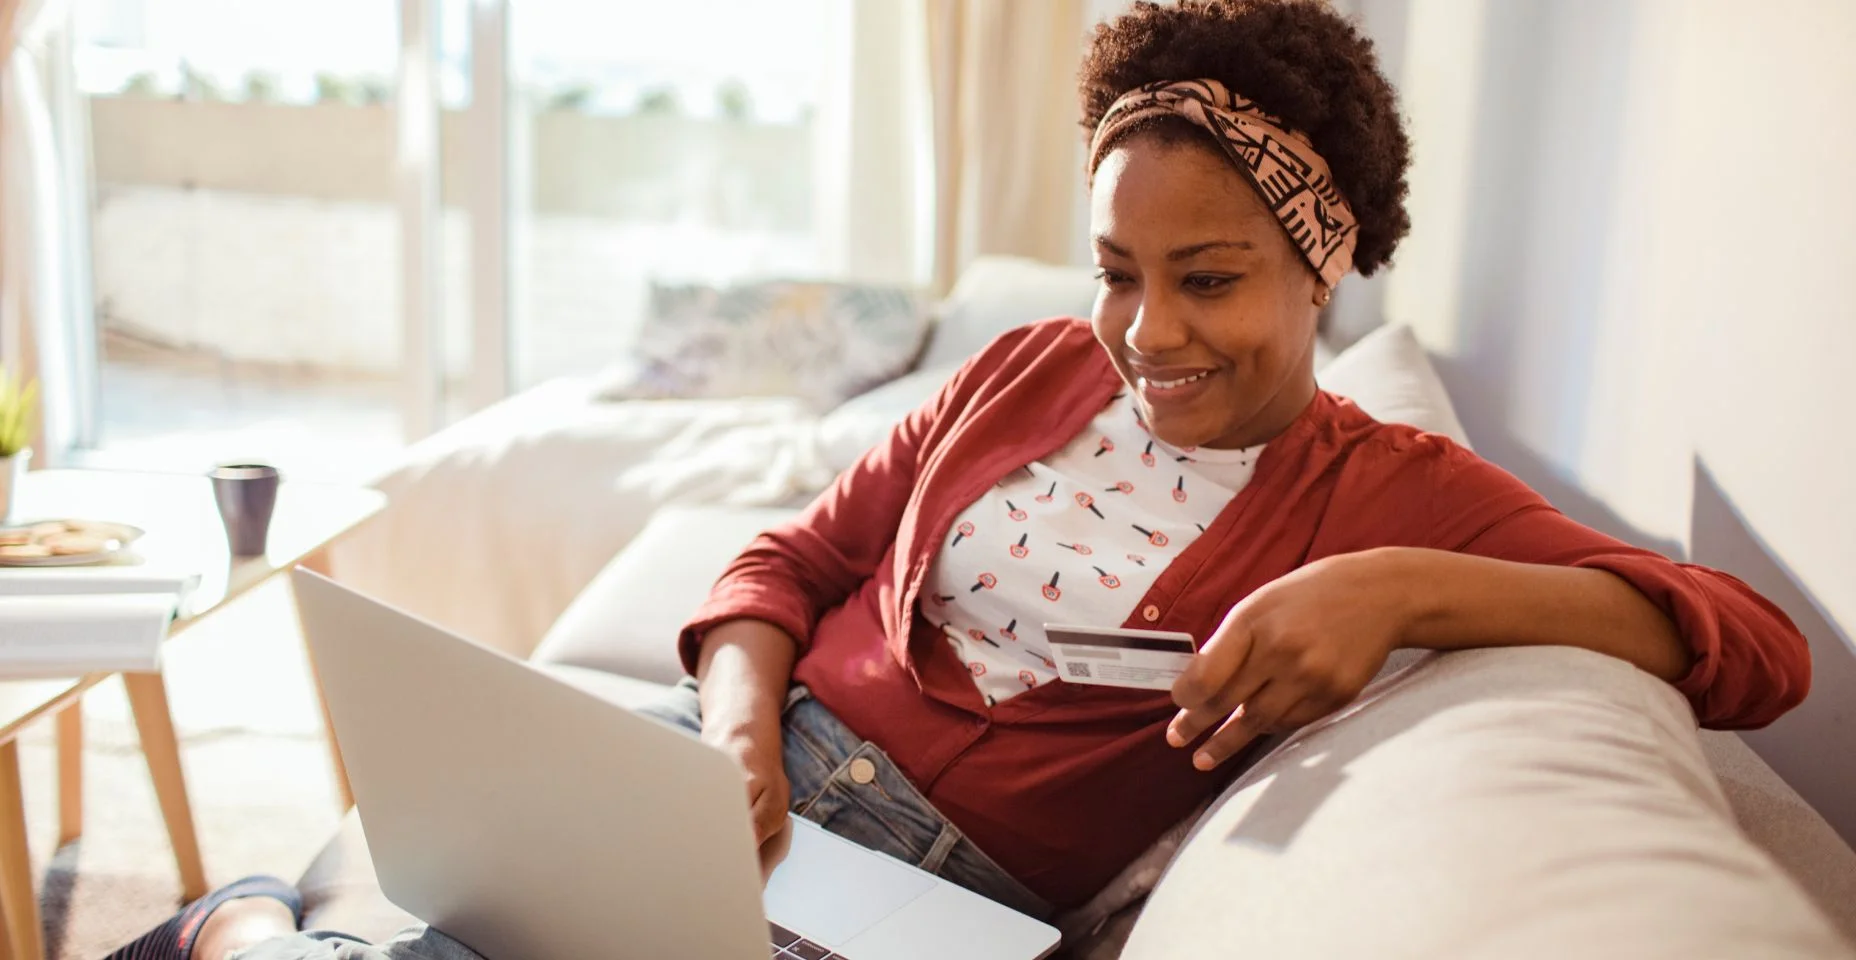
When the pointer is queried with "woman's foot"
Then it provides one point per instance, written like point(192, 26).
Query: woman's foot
point(241, 923)
point(230, 918)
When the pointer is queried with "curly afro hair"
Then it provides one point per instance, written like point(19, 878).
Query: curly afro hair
point(1298, 60)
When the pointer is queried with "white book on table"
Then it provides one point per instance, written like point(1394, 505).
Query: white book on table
point(57, 581)
point(70, 635)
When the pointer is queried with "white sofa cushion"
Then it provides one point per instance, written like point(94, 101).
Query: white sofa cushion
point(855, 426)
point(1514, 803)
point(626, 621)
point(996, 294)
point(1390, 376)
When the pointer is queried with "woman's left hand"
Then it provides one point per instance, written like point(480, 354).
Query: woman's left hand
point(1292, 652)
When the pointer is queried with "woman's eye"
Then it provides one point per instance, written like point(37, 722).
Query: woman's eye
point(1111, 277)
point(1208, 283)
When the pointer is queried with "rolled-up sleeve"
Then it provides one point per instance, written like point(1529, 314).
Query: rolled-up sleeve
point(1750, 662)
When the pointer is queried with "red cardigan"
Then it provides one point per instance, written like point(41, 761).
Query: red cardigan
point(1064, 785)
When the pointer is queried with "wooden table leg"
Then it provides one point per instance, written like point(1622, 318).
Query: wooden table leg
point(71, 772)
point(17, 896)
point(6, 938)
point(319, 562)
point(148, 698)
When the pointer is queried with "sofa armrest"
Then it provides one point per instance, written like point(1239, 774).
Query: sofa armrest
point(626, 621)
point(1520, 803)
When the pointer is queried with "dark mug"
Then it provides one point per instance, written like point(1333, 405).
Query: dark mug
point(247, 494)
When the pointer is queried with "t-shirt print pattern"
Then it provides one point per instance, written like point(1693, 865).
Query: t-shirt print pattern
point(1078, 537)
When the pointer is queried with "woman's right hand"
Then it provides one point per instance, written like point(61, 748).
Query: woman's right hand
point(744, 671)
point(758, 752)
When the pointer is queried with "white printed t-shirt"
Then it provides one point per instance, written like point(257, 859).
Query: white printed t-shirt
point(1076, 538)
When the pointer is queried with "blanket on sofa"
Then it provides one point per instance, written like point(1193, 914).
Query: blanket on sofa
point(537, 493)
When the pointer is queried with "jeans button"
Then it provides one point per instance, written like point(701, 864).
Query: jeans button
point(862, 770)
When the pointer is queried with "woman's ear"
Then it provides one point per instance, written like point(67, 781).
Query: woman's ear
point(1323, 294)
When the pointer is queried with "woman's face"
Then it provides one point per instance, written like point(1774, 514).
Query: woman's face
point(1206, 308)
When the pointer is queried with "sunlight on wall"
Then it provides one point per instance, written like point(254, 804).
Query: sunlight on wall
point(1629, 241)
point(1756, 214)
point(1632, 225)
point(1444, 45)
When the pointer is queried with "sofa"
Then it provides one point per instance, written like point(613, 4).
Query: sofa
point(1501, 803)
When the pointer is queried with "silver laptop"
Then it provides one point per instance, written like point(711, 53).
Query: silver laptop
point(532, 820)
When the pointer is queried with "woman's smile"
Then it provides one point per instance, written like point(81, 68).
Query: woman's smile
point(1174, 388)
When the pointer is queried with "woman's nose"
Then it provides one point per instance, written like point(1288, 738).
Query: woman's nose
point(1157, 329)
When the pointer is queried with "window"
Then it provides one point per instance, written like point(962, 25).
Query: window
point(244, 241)
point(659, 147)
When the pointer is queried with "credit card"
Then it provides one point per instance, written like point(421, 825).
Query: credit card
point(1117, 657)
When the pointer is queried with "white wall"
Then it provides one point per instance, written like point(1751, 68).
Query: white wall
point(1634, 224)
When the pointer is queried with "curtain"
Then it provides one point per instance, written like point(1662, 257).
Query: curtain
point(872, 173)
point(1007, 150)
point(44, 220)
point(15, 340)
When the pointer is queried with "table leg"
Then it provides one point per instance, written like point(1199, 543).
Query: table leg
point(148, 697)
point(71, 772)
point(319, 562)
point(6, 939)
point(17, 896)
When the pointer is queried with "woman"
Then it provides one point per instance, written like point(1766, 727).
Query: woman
point(1170, 464)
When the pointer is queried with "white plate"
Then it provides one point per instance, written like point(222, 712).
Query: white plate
point(116, 536)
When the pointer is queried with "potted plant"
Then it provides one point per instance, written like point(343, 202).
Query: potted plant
point(17, 400)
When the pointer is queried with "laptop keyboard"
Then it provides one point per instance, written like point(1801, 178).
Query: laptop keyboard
point(788, 945)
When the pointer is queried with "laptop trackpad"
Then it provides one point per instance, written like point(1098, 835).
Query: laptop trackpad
point(831, 889)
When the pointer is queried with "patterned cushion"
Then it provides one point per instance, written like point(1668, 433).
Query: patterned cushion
point(820, 342)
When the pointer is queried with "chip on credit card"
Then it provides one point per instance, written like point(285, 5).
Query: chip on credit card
point(1119, 657)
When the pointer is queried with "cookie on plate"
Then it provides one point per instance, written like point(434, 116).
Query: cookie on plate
point(14, 537)
point(26, 551)
point(74, 544)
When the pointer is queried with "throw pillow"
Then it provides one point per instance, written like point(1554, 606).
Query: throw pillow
point(822, 343)
point(1390, 376)
point(996, 294)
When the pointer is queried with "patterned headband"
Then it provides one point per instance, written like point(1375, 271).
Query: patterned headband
point(1283, 167)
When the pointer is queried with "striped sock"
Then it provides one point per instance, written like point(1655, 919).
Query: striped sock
point(174, 939)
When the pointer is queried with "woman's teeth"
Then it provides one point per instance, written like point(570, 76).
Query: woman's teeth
point(1170, 384)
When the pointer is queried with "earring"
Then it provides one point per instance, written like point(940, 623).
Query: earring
point(1322, 296)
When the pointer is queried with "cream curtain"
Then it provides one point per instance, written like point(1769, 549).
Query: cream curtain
point(44, 219)
point(1002, 77)
point(873, 168)
point(15, 344)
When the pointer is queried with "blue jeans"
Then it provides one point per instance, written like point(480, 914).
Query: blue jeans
point(887, 815)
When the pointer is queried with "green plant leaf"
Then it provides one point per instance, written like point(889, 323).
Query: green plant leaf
point(16, 407)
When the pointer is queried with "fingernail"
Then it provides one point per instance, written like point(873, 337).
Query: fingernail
point(1202, 760)
point(1173, 738)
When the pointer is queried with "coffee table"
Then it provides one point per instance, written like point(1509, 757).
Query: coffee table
point(184, 534)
